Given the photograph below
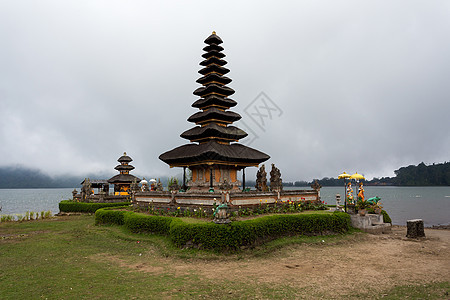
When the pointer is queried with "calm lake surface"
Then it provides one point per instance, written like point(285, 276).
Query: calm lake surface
point(432, 204)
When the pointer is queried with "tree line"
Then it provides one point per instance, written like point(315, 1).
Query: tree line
point(420, 175)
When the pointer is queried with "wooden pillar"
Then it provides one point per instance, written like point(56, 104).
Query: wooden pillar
point(184, 179)
point(211, 178)
point(243, 179)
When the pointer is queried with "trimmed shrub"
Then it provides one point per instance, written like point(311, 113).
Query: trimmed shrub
point(85, 207)
point(137, 222)
point(386, 217)
point(110, 216)
point(230, 236)
point(250, 232)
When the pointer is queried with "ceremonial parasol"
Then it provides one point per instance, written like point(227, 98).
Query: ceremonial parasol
point(344, 176)
point(357, 176)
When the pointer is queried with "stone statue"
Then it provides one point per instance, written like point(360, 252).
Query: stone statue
point(221, 214)
point(316, 186)
point(349, 195)
point(225, 186)
point(276, 183)
point(159, 186)
point(134, 186)
point(86, 189)
point(261, 180)
point(360, 192)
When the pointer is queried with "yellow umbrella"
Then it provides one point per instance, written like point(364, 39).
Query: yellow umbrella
point(357, 176)
point(344, 175)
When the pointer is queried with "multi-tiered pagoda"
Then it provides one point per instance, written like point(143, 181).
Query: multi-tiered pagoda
point(123, 180)
point(214, 156)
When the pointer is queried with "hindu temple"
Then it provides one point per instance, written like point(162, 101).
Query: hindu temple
point(214, 155)
point(124, 179)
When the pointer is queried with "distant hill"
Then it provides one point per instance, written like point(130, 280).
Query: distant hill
point(22, 177)
point(19, 177)
point(420, 175)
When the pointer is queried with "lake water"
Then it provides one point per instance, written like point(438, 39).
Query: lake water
point(432, 204)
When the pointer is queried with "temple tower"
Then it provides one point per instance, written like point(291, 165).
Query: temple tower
point(214, 156)
point(123, 180)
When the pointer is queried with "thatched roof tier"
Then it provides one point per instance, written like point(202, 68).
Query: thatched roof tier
point(213, 60)
point(213, 47)
point(213, 153)
point(123, 178)
point(124, 168)
point(124, 158)
point(213, 39)
point(214, 100)
point(214, 114)
point(214, 131)
point(214, 69)
point(212, 53)
point(211, 89)
point(214, 78)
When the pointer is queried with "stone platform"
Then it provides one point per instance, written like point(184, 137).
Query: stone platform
point(371, 223)
point(233, 199)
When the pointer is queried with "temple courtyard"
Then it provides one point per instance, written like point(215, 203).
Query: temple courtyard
point(84, 261)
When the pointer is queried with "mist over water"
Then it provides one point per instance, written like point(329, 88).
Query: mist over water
point(432, 204)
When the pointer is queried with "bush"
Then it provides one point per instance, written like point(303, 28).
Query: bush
point(251, 232)
point(110, 216)
point(137, 222)
point(386, 217)
point(84, 207)
point(231, 236)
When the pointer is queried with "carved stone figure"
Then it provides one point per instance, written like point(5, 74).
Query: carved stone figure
point(225, 186)
point(134, 186)
point(261, 180)
point(316, 186)
point(221, 214)
point(276, 183)
point(349, 195)
point(86, 189)
point(159, 186)
point(361, 192)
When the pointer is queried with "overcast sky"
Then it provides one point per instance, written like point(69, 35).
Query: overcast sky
point(347, 85)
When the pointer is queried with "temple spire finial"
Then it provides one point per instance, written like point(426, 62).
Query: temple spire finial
point(214, 32)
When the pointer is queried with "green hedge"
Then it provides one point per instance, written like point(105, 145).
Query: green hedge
point(231, 236)
point(250, 232)
point(386, 218)
point(111, 215)
point(85, 207)
point(137, 222)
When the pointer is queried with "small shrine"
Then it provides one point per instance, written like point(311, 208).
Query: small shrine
point(122, 181)
point(214, 155)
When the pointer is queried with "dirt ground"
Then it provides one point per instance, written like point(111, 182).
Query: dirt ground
point(380, 261)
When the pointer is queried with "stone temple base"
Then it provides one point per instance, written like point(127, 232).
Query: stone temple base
point(371, 223)
point(234, 200)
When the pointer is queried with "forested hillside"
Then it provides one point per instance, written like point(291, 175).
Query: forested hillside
point(423, 175)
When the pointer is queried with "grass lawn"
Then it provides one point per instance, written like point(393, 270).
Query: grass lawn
point(71, 258)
